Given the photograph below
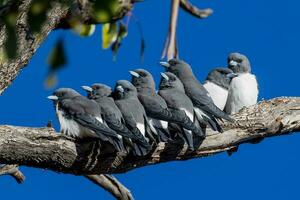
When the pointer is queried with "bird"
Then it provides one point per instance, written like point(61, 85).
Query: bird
point(205, 109)
point(80, 117)
point(172, 91)
point(155, 106)
point(159, 127)
point(243, 90)
point(125, 95)
point(217, 84)
point(112, 116)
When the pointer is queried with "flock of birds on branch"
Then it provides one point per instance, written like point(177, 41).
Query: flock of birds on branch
point(134, 117)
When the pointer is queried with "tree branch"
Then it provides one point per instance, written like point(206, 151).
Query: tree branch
point(170, 48)
point(112, 185)
point(42, 148)
point(28, 43)
point(193, 10)
point(12, 170)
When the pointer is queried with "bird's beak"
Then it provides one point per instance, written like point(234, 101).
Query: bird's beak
point(87, 88)
point(233, 63)
point(52, 97)
point(165, 76)
point(135, 74)
point(120, 88)
point(164, 64)
point(231, 75)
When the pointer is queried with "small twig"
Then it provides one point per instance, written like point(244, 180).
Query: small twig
point(12, 170)
point(112, 185)
point(193, 10)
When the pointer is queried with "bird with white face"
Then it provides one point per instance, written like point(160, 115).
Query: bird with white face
point(217, 84)
point(243, 90)
point(80, 117)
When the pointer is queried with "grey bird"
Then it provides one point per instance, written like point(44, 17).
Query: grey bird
point(217, 84)
point(112, 116)
point(172, 90)
point(204, 106)
point(243, 90)
point(125, 95)
point(80, 117)
point(155, 106)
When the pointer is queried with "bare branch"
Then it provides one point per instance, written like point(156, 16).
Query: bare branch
point(112, 185)
point(42, 148)
point(12, 170)
point(170, 48)
point(193, 10)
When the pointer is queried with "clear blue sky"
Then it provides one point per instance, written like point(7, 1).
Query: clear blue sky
point(266, 31)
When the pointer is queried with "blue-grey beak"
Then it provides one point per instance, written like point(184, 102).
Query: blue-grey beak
point(135, 74)
point(233, 63)
point(165, 76)
point(164, 64)
point(52, 97)
point(120, 88)
point(87, 88)
point(231, 75)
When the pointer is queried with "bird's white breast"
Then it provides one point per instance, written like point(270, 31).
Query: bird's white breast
point(71, 128)
point(218, 94)
point(243, 91)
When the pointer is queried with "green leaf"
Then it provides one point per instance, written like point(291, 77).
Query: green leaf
point(50, 81)
point(109, 34)
point(37, 14)
point(105, 10)
point(57, 57)
point(84, 30)
point(122, 31)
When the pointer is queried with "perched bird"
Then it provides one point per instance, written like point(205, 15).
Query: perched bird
point(172, 90)
point(217, 84)
point(133, 112)
point(155, 106)
point(80, 117)
point(204, 106)
point(159, 127)
point(112, 116)
point(243, 90)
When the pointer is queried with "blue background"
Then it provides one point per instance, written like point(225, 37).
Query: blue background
point(267, 31)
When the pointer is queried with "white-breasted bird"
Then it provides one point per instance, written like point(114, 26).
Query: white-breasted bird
point(243, 90)
point(217, 84)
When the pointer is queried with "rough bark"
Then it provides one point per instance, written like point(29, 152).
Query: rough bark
point(43, 148)
point(28, 43)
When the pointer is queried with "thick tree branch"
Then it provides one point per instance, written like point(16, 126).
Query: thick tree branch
point(112, 185)
point(13, 171)
point(42, 148)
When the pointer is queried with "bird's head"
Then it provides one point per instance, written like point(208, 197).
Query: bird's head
point(63, 93)
point(97, 91)
point(141, 78)
point(239, 63)
point(221, 77)
point(178, 67)
point(124, 89)
point(170, 80)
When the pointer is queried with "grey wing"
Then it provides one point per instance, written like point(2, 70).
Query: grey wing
point(77, 113)
point(201, 99)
